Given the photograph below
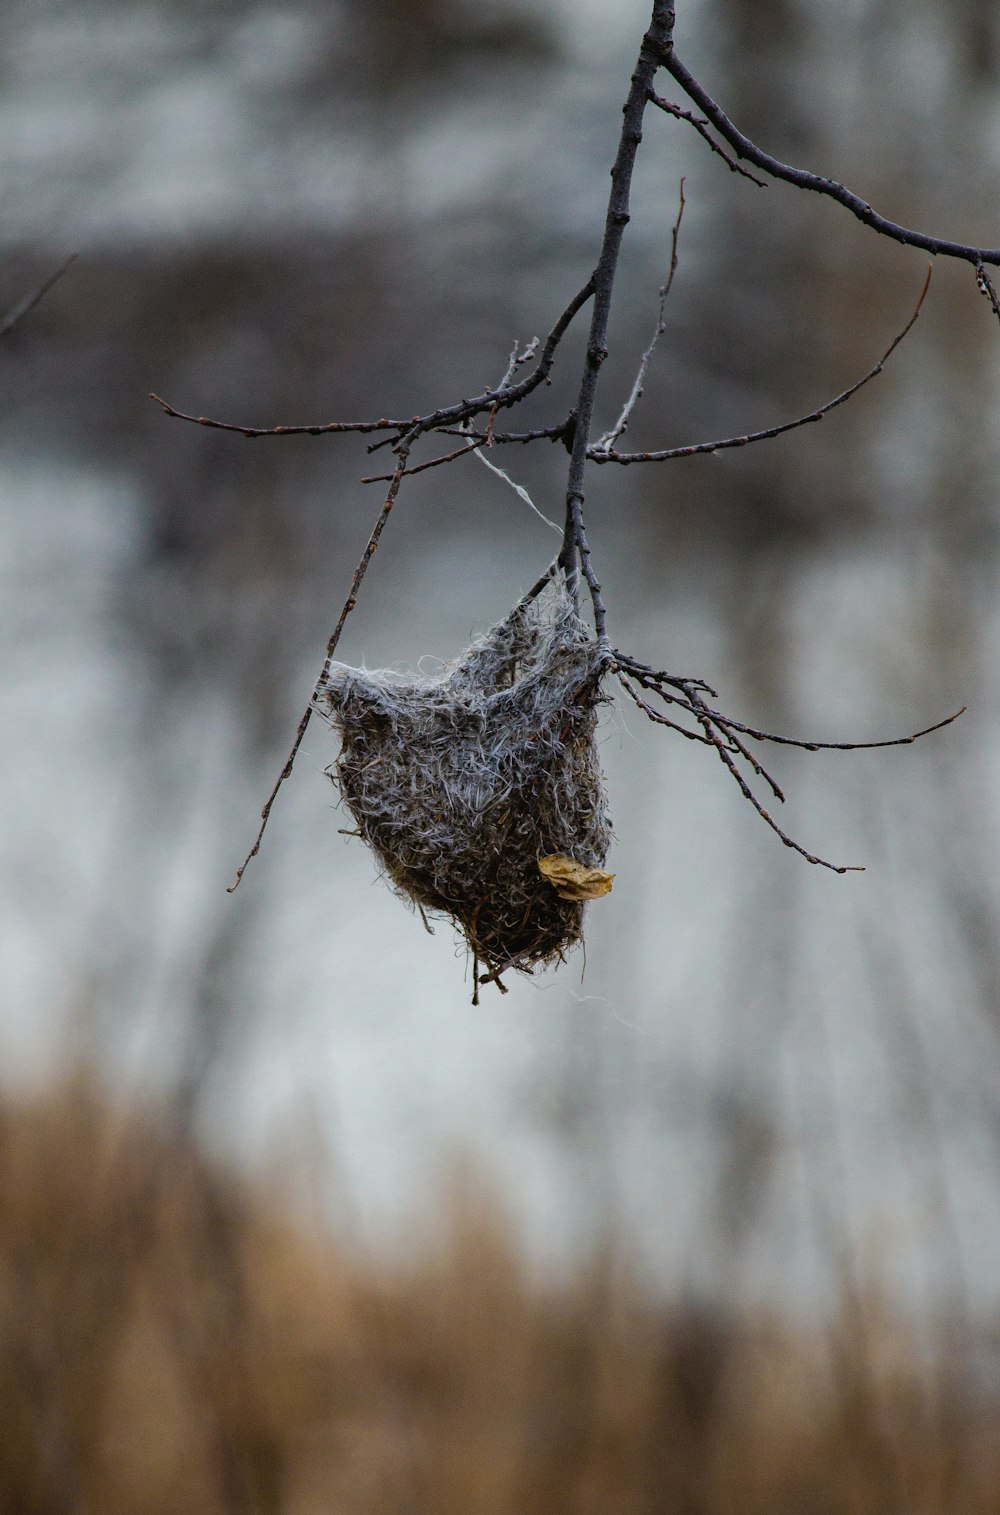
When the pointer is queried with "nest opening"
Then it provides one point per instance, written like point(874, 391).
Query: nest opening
point(460, 782)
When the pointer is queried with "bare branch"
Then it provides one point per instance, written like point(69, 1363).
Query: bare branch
point(609, 455)
point(803, 179)
point(620, 425)
point(725, 734)
point(808, 746)
point(444, 457)
point(539, 585)
point(403, 449)
point(475, 439)
point(662, 683)
point(717, 732)
point(321, 429)
point(766, 816)
point(656, 716)
point(558, 433)
point(700, 125)
point(516, 360)
point(414, 425)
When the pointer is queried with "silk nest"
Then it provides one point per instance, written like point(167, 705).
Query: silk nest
point(461, 782)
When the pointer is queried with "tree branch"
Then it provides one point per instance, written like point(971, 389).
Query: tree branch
point(653, 692)
point(803, 179)
point(610, 437)
point(726, 735)
point(657, 40)
point(700, 125)
point(403, 451)
point(599, 454)
point(501, 397)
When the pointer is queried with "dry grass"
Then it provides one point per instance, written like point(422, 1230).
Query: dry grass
point(170, 1342)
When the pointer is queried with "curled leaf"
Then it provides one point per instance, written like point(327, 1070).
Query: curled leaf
point(572, 880)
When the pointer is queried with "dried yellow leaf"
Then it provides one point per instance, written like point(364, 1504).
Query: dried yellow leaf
point(572, 880)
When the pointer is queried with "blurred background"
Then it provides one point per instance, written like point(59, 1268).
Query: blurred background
point(711, 1222)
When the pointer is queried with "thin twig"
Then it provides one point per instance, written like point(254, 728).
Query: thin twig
point(752, 758)
point(803, 179)
point(558, 433)
point(725, 734)
point(598, 454)
point(517, 360)
point(661, 683)
point(711, 722)
point(700, 125)
point(590, 577)
point(655, 715)
point(768, 818)
point(620, 425)
point(413, 425)
point(403, 449)
point(444, 457)
point(29, 302)
point(804, 746)
point(476, 442)
point(320, 429)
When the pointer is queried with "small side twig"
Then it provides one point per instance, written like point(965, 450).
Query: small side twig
point(701, 127)
point(414, 426)
point(538, 434)
point(656, 716)
point(444, 457)
point(726, 735)
point(610, 437)
point(599, 454)
point(403, 450)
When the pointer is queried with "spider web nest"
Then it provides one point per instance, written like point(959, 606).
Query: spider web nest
point(460, 782)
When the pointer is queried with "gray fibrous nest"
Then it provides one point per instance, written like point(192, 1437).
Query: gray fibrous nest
point(460, 783)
